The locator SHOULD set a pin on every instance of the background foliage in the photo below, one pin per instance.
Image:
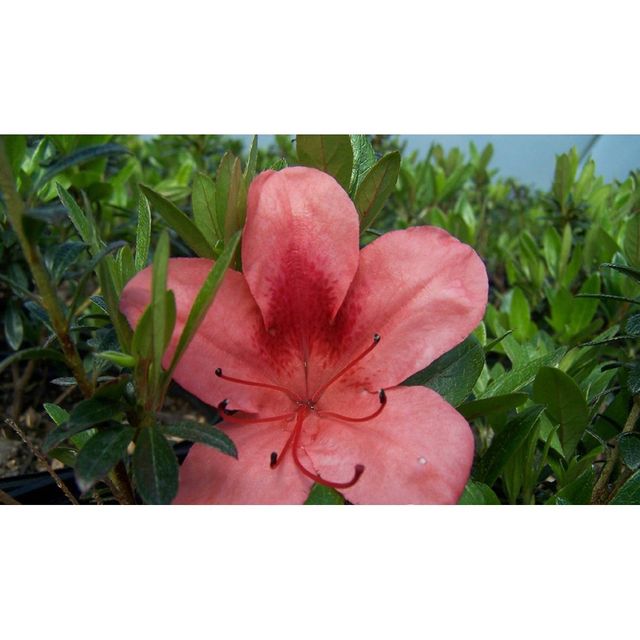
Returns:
(549, 381)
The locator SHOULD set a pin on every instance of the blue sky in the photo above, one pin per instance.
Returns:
(531, 158)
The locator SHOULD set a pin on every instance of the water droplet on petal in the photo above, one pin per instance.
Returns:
(422, 460)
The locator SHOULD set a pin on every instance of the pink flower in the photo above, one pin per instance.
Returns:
(304, 351)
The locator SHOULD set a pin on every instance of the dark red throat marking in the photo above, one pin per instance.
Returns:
(304, 408)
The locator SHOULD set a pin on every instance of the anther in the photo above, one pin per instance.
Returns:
(218, 372)
(274, 460)
(376, 337)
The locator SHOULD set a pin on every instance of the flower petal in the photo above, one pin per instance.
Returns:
(209, 477)
(231, 336)
(419, 450)
(422, 291)
(299, 254)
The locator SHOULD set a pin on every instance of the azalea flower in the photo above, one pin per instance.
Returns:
(303, 353)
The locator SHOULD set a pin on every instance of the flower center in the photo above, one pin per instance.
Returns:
(304, 407)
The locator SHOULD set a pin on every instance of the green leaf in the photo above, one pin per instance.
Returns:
(178, 221)
(478, 493)
(320, 494)
(453, 374)
(15, 147)
(629, 444)
(56, 413)
(82, 156)
(578, 491)
(629, 493)
(329, 153)
(204, 300)
(376, 187)
(252, 162)
(364, 158)
(205, 433)
(566, 405)
(506, 443)
(143, 233)
(487, 406)
(633, 325)
(13, 325)
(203, 203)
(155, 467)
(64, 257)
(101, 453)
(632, 241)
(159, 305)
(633, 379)
(565, 173)
(520, 315)
(236, 201)
(32, 353)
(86, 414)
(118, 358)
(77, 216)
(523, 375)
(627, 271)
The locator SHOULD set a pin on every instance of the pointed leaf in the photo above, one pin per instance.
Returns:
(376, 187)
(565, 404)
(77, 216)
(478, 493)
(453, 374)
(155, 467)
(329, 153)
(632, 241)
(178, 221)
(320, 494)
(364, 158)
(101, 453)
(204, 300)
(203, 203)
(13, 325)
(506, 443)
(205, 433)
(143, 233)
(487, 406)
(629, 492)
(81, 156)
(629, 444)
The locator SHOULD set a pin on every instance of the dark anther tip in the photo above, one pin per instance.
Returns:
(383, 396)
(274, 459)
(223, 405)
(376, 337)
(218, 372)
(359, 469)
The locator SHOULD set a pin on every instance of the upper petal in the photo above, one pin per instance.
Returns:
(299, 254)
(422, 291)
(419, 450)
(231, 336)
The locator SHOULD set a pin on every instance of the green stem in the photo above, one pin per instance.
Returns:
(601, 492)
(15, 212)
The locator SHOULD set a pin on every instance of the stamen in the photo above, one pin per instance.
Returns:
(229, 417)
(264, 385)
(323, 388)
(293, 442)
(383, 401)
